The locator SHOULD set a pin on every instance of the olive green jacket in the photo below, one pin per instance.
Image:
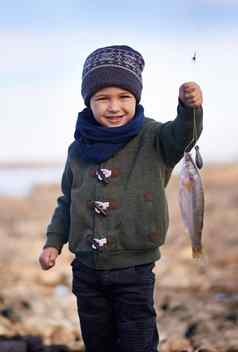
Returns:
(130, 224)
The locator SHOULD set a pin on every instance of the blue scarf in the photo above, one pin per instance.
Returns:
(98, 143)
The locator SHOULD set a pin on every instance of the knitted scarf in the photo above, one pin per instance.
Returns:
(98, 143)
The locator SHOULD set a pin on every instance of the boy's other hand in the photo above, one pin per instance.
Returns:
(191, 94)
(47, 258)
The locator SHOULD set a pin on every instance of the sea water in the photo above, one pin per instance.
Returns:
(19, 181)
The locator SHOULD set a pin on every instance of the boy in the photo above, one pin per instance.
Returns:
(113, 211)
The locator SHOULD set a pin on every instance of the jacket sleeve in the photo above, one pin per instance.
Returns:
(58, 229)
(175, 136)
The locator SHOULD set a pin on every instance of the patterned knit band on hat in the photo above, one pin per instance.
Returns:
(116, 65)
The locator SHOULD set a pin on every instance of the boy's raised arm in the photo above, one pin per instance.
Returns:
(175, 136)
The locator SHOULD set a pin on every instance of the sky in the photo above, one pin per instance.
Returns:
(43, 46)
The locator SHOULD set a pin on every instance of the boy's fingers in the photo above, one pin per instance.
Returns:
(52, 258)
(189, 95)
(45, 262)
(51, 262)
(44, 265)
(196, 96)
(193, 103)
(47, 259)
(189, 89)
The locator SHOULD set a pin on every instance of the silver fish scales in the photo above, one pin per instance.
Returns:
(191, 202)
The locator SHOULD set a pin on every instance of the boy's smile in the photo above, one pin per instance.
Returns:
(113, 106)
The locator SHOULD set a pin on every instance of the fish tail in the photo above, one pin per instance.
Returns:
(197, 252)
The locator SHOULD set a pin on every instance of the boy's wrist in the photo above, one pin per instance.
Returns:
(52, 244)
(51, 247)
(186, 106)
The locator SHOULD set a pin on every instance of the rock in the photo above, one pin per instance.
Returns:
(6, 328)
(8, 312)
(185, 292)
(52, 278)
(179, 345)
(25, 304)
(58, 334)
(191, 330)
(61, 291)
(205, 349)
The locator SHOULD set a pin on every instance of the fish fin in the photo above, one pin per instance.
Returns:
(197, 252)
(188, 184)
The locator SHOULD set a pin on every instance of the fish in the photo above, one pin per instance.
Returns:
(191, 203)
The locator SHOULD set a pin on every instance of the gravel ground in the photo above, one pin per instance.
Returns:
(196, 301)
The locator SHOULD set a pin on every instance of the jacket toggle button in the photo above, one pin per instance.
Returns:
(103, 175)
(98, 243)
(101, 207)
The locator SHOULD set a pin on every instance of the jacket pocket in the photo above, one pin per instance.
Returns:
(139, 220)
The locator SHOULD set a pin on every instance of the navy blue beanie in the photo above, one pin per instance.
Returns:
(116, 65)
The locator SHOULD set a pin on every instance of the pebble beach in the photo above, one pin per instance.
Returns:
(196, 301)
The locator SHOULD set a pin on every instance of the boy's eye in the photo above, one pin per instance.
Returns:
(106, 98)
(101, 98)
(125, 96)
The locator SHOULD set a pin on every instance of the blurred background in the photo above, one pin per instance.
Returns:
(43, 47)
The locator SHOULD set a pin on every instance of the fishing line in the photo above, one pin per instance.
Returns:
(198, 157)
(194, 132)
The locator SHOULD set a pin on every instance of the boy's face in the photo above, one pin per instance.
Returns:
(113, 106)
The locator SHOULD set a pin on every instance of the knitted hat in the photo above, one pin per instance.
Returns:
(116, 65)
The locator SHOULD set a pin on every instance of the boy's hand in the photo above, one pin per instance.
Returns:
(48, 257)
(191, 94)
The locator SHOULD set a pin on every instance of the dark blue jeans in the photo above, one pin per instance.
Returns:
(116, 308)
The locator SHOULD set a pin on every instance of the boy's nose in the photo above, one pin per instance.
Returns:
(113, 106)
